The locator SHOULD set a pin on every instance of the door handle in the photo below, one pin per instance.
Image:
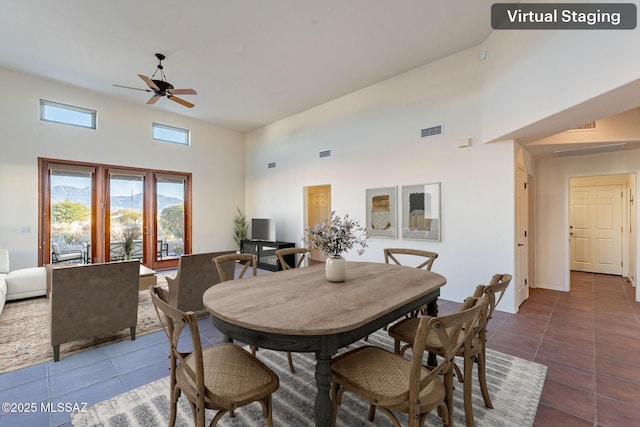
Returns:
(520, 244)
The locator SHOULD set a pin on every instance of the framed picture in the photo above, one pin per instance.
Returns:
(381, 212)
(421, 211)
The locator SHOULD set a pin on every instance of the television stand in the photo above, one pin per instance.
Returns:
(265, 253)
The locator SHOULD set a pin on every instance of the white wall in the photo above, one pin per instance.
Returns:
(374, 135)
(532, 75)
(123, 137)
(552, 204)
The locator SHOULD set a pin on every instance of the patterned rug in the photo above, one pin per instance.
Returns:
(25, 332)
(514, 384)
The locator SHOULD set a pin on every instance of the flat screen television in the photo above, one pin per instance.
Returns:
(263, 229)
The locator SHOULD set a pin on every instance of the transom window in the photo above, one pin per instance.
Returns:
(67, 114)
(173, 134)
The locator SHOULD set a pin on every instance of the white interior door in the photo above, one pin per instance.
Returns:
(596, 228)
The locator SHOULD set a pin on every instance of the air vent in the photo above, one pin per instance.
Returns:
(589, 150)
(586, 126)
(271, 165)
(325, 153)
(431, 131)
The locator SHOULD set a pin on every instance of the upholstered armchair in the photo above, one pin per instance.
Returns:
(92, 300)
(196, 274)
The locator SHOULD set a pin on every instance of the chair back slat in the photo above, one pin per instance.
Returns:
(174, 323)
(427, 263)
(249, 261)
(453, 331)
(282, 253)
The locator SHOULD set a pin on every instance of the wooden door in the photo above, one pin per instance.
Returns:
(318, 208)
(595, 229)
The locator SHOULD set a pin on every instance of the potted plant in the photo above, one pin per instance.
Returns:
(240, 227)
(333, 237)
(129, 234)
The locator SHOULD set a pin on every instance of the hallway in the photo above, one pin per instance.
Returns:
(590, 341)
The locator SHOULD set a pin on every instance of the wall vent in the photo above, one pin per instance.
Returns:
(271, 165)
(431, 131)
(590, 150)
(325, 153)
(586, 126)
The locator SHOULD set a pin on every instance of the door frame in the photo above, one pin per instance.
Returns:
(631, 175)
(522, 234)
(314, 254)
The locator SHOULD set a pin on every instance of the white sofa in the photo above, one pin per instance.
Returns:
(22, 283)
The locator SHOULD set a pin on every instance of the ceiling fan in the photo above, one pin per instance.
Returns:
(161, 87)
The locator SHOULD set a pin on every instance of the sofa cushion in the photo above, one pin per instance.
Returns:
(3, 293)
(26, 283)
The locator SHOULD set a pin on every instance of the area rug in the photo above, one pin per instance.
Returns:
(515, 386)
(25, 332)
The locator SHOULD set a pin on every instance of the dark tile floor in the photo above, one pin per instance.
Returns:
(588, 338)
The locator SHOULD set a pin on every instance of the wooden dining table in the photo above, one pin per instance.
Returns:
(298, 310)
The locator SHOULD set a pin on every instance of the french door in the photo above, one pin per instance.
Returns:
(112, 213)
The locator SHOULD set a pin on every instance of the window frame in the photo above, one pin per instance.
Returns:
(101, 209)
(185, 132)
(93, 114)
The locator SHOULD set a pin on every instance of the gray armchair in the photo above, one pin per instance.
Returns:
(196, 274)
(92, 300)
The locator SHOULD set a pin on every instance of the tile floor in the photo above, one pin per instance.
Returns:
(588, 338)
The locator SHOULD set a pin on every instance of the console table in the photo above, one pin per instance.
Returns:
(265, 253)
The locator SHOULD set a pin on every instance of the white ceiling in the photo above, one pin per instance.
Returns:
(252, 62)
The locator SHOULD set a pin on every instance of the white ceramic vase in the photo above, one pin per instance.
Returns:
(336, 269)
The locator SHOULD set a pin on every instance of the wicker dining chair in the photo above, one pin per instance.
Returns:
(417, 258)
(223, 377)
(405, 331)
(282, 253)
(249, 261)
(396, 384)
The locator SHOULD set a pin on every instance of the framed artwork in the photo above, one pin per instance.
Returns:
(421, 211)
(381, 212)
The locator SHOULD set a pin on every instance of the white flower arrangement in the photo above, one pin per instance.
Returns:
(335, 236)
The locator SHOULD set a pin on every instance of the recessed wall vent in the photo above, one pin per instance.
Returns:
(589, 150)
(271, 165)
(586, 126)
(325, 153)
(431, 131)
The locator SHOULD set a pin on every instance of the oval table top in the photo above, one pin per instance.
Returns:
(302, 302)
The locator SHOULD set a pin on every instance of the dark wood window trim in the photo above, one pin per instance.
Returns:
(100, 209)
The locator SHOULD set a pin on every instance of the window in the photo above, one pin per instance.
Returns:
(67, 114)
(112, 213)
(170, 134)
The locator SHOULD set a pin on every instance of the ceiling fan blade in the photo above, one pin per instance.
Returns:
(134, 88)
(149, 82)
(180, 101)
(182, 91)
(153, 99)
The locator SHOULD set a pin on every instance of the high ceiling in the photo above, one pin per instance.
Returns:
(252, 62)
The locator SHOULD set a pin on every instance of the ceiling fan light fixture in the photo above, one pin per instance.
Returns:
(161, 87)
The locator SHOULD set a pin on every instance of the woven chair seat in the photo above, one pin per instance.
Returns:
(383, 377)
(232, 376)
(393, 383)
(223, 377)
